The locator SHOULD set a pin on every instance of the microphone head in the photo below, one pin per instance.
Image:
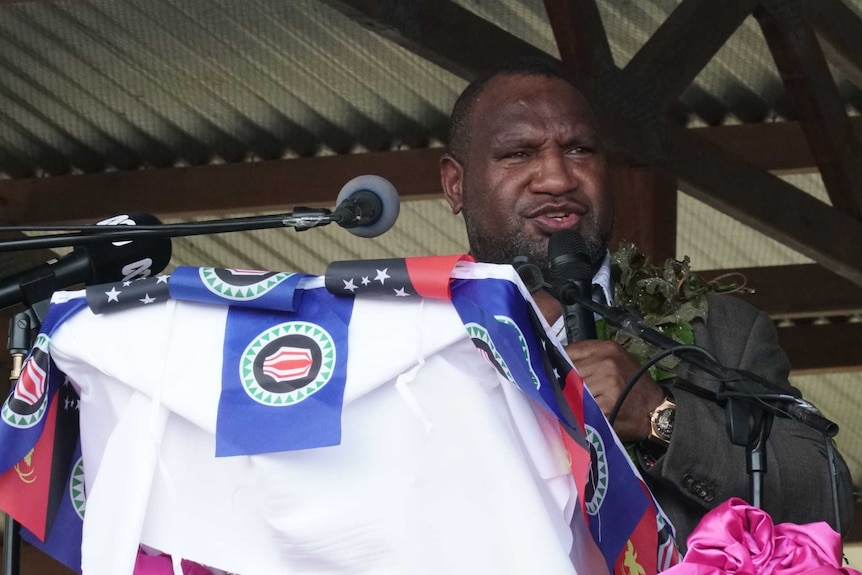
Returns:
(384, 209)
(568, 258)
(127, 259)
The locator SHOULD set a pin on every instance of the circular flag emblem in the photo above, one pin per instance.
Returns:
(77, 489)
(28, 402)
(483, 342)
(241, 285)
(287, 363)
(597, 482)
(525, 349)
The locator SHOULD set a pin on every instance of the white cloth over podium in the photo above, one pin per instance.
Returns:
(444, 468)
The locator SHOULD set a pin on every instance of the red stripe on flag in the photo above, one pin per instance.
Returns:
(640, 554)
(430, 276)
(579, 461)
(573, 391)
(25, 488)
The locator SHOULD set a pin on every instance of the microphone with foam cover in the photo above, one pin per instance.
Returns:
(97, 263)
(571, 274)
(367, 206)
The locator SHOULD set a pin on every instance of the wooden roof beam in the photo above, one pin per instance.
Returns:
(441, 31)
(646, 200)
(820, 109)
(764, 202)
(705, 170)
(685, 42)
(816, 349)
(579, 34)
(794, 291)
(839, 29)
(218, 189)
(280, 184)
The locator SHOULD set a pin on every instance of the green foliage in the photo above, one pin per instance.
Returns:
(669, 297)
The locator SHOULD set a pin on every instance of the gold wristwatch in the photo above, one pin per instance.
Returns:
(661, 422)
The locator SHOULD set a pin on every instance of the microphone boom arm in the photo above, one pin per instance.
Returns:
(300, 219)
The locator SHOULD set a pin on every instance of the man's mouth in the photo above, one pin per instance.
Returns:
(556, 220)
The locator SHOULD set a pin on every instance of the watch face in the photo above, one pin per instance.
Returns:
(664, 422)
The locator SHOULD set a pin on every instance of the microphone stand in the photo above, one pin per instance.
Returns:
(300, 219)
(750, 401)
(18, 344)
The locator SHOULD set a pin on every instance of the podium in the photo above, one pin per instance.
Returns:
(377, 432)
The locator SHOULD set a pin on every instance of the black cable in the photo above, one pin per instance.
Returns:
(833, 477)
(645, 367)
(830, 449)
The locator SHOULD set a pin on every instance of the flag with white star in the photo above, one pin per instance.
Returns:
(394, 277)
(256, 289)
(283, 376)
(108, 298)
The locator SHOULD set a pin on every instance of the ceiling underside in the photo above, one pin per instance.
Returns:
(196, 109)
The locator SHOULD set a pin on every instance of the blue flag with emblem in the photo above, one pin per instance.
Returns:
(615, 499)
(235, 287)
(497, 320)
(42, 410)
(284, 372)
(23, 412)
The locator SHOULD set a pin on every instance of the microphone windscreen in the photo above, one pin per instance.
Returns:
(113, 261)
(388, 195)
(568, 257)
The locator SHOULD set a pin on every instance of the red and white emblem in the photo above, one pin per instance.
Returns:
(31, 385)
(288, 364)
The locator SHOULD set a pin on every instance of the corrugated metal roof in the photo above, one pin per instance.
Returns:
(88, 86)
(91, 85)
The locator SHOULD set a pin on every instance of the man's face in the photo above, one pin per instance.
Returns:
(533, 166)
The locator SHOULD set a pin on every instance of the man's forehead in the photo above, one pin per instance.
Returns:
(506, 97)
(516, 86)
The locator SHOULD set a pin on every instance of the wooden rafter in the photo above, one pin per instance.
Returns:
(779, 147)
(579, 34)
(815, 349)
(688, 39)
(765, 202)
(817, 103)
(646, 200)
(218, 189)
(801, 291)
(737, 188)
(280, 184)
(442, 32)
(840, 31)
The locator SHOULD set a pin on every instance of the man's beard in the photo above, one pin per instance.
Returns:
(504, 247)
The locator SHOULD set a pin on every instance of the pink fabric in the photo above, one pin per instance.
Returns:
(147, 564)
(738, 539)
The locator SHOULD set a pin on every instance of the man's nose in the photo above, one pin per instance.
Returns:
(554, 174)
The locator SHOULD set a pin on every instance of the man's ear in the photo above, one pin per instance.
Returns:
(451, 178)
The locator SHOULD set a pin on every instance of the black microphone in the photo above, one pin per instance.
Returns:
(570, 268)
(367, 206)
(94, 264)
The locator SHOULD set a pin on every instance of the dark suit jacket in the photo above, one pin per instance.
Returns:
(702, 468)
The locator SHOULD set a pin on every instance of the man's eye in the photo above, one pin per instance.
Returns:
(581, 150)
(517, 154)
